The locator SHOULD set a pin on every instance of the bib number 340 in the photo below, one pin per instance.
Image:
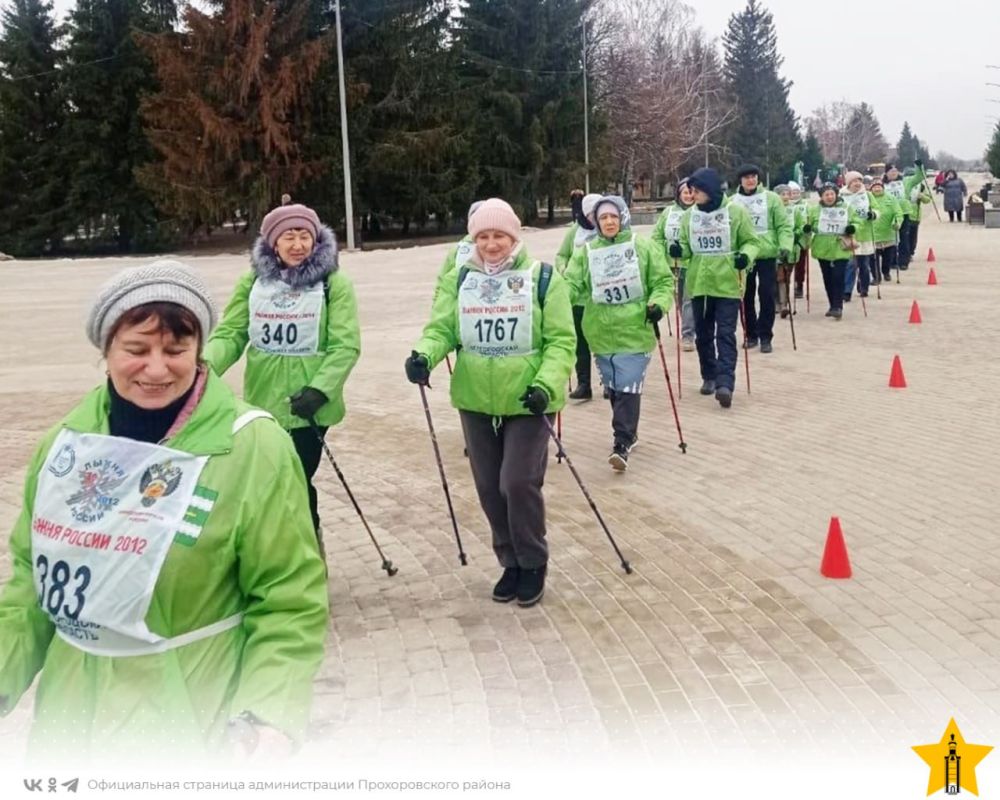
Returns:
(54, 589)
(280, 333)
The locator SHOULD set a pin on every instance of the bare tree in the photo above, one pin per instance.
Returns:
(848, 133)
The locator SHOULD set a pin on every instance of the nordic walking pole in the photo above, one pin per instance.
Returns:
(808, 270)
(440, 463)
(663, 360)
(743, 324)
(788, 303)
(386, 563)
(878, 267)
(593, 506)
(559, 455)
(854, 255)
(896, 254)
(447, 360)
(933, 201)
(677, 320)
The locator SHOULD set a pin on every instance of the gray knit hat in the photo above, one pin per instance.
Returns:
(163, 281)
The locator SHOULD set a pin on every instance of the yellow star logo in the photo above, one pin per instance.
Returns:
(952, 762)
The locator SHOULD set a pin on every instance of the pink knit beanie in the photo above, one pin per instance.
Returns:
(495, 215)
(852, 176)
(286, 218)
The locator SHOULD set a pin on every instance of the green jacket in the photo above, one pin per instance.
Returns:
(828, 246)
(465, 246)
(773, 233)
(890, 217)
(712, 275)
(493, 385)
(270, 379)
(865, 229)
(256, 553)
(566, 248)
(796, 213)
(908, 182)
(667, 230)
(918, 197)
(622, 328)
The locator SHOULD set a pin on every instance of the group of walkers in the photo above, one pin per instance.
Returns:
(169, 581)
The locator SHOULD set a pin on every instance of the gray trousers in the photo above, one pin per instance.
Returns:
(508, 467)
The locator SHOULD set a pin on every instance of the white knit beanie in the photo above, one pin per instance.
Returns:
(495, 215)
(163, 281)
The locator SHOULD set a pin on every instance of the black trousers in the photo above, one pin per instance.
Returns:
(905, 248)
(887, 260)
(834, 273)
(915, 229)
(951, 215)
(715, 336)
(583, 362)
(310, 450)
(762, 285)
(625, 408)
(508, 467)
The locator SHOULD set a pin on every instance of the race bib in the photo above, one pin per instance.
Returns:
(859, 202)
(106, 512)
(614, 274)
(286, 321)
(710, 232)
(833, 220)
(672, 228)
(756, 206)
(495, 311)
(895, 189)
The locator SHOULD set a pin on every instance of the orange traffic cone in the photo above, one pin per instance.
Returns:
(836, 563)
(896, 379)
(932, 278)
(915, 314)
(930, 256)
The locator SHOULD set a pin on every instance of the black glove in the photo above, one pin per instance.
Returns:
(849, 230)
(307, 401)
(675, 250)
(416, 369)
(807, 228)
(918, 163)
(783, 256)
(741, 261)
(872, 215)
(654, 313)
(535, 400)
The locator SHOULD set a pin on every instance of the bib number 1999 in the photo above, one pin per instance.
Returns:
(709, 243)
(53, 587)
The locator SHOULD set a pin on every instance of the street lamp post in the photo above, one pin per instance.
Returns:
(586, 115)
(348, 203)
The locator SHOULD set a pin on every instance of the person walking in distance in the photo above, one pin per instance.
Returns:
(667, 230)
(832, 224)
(582, 231)
(797, 199)
(774, 232)
(510, 319)
(623, 282)
(796, 215)
(885, 230)
(295, 316)
(862, 264)
(954, 195)
(718, 241)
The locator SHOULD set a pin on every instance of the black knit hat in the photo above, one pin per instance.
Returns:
(747, 169)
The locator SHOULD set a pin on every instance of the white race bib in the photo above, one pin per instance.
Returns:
(672, 228)
(833, 219)
(614, 274)
(710, 233)
(463, 252)
(495, 311)
(285, 321)
(895, 189)
(106, 512)
(858, 201)
(756, 206)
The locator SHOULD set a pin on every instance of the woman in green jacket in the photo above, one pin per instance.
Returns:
(832, 225)
(861, 267)
(667, 230)
(885, 228)
(166, 581)
(624, 285)
(296, 311)
(510, 320)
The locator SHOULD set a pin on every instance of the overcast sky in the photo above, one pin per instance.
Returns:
(889, 53)
(892, 55)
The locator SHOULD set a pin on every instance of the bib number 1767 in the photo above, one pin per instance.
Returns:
(496, 330)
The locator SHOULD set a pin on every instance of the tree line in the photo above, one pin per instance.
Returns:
(132, 125)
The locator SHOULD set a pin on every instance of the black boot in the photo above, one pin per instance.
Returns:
(581, 392)
(506, 588)
(531, 586)
(707, 387)
(724, 396)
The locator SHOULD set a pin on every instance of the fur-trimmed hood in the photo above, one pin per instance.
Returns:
(322, 261)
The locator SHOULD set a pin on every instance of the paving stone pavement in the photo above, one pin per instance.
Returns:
(726, 637)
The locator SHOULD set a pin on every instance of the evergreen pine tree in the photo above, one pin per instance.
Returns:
(106, 75)
(765, 129)
(230, 117)
(32, 115)
(906, 148)
(993, 152)
(811, 158)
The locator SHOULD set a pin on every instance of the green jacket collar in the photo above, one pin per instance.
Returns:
(209, 431)
(623, 235)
